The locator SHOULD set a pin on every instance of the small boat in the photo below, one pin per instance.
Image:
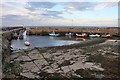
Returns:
(96, 35)
(15, 36)
(53, 34)
(81, 36)
(106, 36)
(27, 43)
(69, 34)
(20, 36)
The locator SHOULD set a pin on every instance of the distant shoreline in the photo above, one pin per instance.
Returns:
(65, 26)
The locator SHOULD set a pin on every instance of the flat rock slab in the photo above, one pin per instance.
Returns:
(62, 61)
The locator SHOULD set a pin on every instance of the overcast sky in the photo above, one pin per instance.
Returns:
(56, 13)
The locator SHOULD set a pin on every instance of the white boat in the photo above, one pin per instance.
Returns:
(27, 43)
(106, 36)
(96, 35)
(53, 34)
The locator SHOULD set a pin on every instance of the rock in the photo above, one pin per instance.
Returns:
(96, 68)
(23, 58)
(16, 68)
(29, 75)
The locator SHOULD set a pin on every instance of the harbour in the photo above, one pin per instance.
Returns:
(66, 40)
(56, 36)
(68, 51)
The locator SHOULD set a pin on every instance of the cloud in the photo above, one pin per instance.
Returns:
(32, 6)
(46, 12)
(105, 5)
(91, 6)
(81, 6)
(54, 14)
(14, 20)
(110, 4)
(43, 9)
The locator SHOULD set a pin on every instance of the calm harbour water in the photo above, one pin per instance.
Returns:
(40, 41)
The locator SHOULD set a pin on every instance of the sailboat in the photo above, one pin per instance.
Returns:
(27, 43)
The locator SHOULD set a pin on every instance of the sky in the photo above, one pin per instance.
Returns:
(59, 13)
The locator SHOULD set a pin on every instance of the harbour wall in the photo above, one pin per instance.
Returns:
(6, 37)
(47, 30)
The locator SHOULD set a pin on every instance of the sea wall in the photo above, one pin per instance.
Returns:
(6, 37)
(47, 30)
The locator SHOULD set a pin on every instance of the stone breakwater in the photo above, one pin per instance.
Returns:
(96, 58)
(63, 30)
(5, 38)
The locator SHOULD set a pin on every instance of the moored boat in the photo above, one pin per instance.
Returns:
(20, 36)
(53, 34)
(81, 36)
(27, 43)
(96, 35)
(106, 36)
(69, 34)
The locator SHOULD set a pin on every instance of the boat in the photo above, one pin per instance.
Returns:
(69, 34)
(53, 34)
(96, 35)
(27, 43)
(20, 36)
(15, 36)
(106, 36)
(81, 36)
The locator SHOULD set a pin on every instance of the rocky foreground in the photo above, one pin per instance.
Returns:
(74, 61)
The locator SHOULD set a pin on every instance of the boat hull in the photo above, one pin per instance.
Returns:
(81, 35)
(106, 36)
(94, 35)
(54, 35)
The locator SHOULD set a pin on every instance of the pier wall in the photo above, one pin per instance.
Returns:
(39, 30)
(5, 52)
